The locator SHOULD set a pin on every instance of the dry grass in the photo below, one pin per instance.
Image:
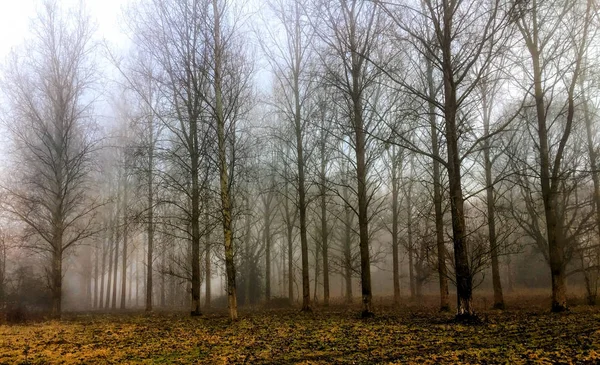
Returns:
(414, 333)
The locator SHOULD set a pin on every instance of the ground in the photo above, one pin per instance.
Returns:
(411, 334)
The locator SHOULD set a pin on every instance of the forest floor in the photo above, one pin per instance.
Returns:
(413, 334)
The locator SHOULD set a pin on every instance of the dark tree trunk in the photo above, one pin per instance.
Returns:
(124, 255)
(489, 182)
(267, 234)
(395, 236)
(115, 266)
(96, 274)
(110, 270)
(324, 239)
(464, 280)
(347, 246)
(57, 278)
(100, 298)
(437, 195)
(207, 267)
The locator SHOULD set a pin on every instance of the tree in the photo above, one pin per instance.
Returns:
(351, 32)
(555, 35)
(291, 63)
(48, 85)
(460, 39)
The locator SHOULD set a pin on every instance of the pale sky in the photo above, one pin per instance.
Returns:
(16, 15)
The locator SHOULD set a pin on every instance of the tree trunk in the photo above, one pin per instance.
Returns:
(464, 280)
(549, 195)
(267, 233)
(207, 267)
(317, 273)
(115, 265)
(223, 171)
(489, 183)
(361, 178)
(290, 240)
(150, 223)
(592, 155)
(347, 245)
(96, 273)
(57, 278)
(324, 238)
(411, 249)
(100, 299)
(194, 149)
(437, 195)
(124, 256)
(110, 270)
(395, 241)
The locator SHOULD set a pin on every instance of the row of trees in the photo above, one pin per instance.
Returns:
(454, 131)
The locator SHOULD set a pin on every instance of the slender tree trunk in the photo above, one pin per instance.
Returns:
(96, 274)
(549, 195)
(207, 267)
(115, 265)
(89, 272)
(317, 273)
(100, 299)
(290, 240)
(163, 284)
(464, 280)
(592, 155)
(267, 236)
(361, 174)
(194, 148)
(110, 269)
(347, 244)
(223, 170)
(437, 196)
(124, 256)
(489, 183)
(411, 248)
(137, 283)
(57, 278)
(290, 262)
(130, 286)
(324, 237)
(395, 239)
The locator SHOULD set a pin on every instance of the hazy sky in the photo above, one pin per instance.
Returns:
(16, 15)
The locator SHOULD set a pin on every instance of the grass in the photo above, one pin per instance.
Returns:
(525, 333)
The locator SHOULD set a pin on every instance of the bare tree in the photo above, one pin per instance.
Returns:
(351, 32)
(48, 87)
(555, 34)
(291, 63)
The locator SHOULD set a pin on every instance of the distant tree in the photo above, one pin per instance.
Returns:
(352, 35)
(555, 35)
(290, 60)
(48, 86)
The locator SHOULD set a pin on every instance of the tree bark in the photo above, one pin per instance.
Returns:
(207, 265)
(267, 236)
(324, 236)
(437, 195)
(592, 155)
(110, 269)
(223, 170)
(57, 278)
(464, 280)
(490, 199)
(347, 246)
(150, 223)
(116, 263)
(395, 165)
(124, 255)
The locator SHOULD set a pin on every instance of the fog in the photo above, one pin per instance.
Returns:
(198, 156)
